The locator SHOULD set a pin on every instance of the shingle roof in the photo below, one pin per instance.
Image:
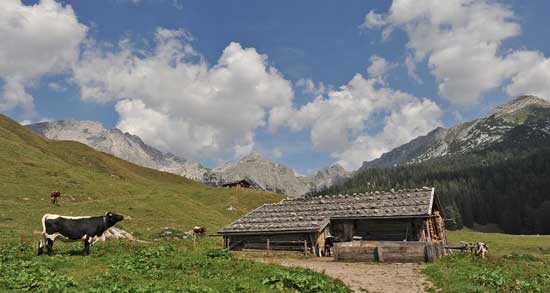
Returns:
(313, 213)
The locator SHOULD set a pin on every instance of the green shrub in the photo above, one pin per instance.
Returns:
(511, 273)
(218, 253)
(302, 281)
(24, 274)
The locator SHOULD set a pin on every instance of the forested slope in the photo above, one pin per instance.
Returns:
(504, 185)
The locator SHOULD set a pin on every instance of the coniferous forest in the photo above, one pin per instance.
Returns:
(511, 189)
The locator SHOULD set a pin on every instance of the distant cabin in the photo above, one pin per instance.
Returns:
(403, 225)
(238, 184)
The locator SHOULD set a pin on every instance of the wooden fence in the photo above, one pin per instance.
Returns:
(272, 245)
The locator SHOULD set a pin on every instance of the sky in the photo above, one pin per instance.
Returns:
(305, 83)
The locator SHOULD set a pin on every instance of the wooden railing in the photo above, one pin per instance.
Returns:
(273, 245)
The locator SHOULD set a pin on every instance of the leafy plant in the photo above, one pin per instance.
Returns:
(218, 253)
(302, 281)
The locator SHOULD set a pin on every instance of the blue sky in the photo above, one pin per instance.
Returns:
(339, 75)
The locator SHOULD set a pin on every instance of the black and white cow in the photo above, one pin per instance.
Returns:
(87, 229)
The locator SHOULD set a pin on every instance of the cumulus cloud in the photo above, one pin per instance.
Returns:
(411, 69)
(379, 67)
(308, 86)
(36, 40)
(533, 81)
(403, 124)
(461, 42)
(276, 153)
(340, 123)
(175, 101)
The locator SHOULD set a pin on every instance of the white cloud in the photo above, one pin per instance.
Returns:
(29, 121)
(533, 81)
(309, 87)
(36, 40)
(171, 98)
(340, 123)
(461, 41)
(411, 69)
(402, 125)
(379, 67)
(57, 86)
(276, 153)
(372, 20)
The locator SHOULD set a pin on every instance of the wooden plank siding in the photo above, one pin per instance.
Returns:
(388, 251)
(378, 229)
(288, 242)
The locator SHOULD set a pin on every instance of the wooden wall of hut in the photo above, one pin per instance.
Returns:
(389, 251)
(378, 229)
(288, 242)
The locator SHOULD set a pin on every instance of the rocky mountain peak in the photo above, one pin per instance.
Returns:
(120, 144)
(519, 103)
(333, 169)
(328, 176)
(253, 156)
(526, 116)
(63, 129)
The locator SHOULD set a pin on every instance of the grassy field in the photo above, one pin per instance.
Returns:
(120, 266)
(515, 264)
(93, 183)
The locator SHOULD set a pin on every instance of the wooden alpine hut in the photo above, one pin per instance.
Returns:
(238, 184)
(406, 224)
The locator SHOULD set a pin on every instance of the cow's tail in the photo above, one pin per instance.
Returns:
(42, 241)
(44, 222)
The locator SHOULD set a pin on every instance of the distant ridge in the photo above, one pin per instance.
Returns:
(269, 176)
(264, 174)
(120, 144)
(527, 116)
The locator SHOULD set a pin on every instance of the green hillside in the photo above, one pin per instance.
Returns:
(93, 182)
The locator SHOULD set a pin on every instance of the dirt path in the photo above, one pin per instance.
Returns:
(361, 276)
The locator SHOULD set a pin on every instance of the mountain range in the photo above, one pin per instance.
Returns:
(523, 121)
(274, 177)
(262, 173)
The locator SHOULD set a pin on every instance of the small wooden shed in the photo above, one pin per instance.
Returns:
(403, 216)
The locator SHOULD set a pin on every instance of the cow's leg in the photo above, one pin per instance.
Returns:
(49, 246)
(87, 242)
(41, 246)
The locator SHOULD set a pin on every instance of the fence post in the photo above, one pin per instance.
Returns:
(379, 253)
(305, 247)
(267, 246)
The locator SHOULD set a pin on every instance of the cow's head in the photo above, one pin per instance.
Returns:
(112, 218)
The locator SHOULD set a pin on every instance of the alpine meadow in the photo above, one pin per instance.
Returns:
(274, 146)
